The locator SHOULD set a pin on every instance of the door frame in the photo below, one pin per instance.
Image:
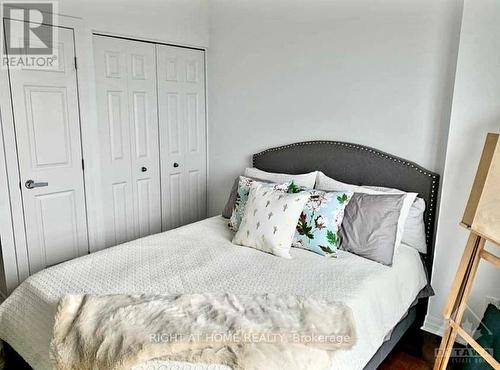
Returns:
(12, 233)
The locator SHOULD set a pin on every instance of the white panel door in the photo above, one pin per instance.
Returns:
(47, 126)
(181, 107)
(128, 119)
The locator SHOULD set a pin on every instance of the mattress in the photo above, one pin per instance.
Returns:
(200, 257)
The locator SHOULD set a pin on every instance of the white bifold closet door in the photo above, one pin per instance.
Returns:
(128, 119)
(181, 107)
(151, 111)
(47, 126)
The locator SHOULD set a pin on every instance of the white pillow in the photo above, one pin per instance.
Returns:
(270, 220)
(414, 232)
(241, 198)
(326, 183)
(306, 180)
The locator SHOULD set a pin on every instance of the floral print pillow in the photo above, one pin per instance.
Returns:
(319, 222)
(244, 185)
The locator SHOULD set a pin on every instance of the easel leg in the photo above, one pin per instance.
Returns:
(461, 275)
(457, 301)
(445, 348)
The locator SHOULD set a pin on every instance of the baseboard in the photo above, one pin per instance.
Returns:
(433, 325)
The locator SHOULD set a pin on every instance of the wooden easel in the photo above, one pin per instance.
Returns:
(482, 219)
(457, 301)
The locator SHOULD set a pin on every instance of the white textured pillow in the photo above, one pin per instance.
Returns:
(306, 180)
(270, 220)
(244, 185)
(414, 232)
(326, 183)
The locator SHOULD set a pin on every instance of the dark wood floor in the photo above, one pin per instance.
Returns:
(412, 353)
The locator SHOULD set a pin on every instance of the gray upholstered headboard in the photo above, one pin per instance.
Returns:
(360, 165)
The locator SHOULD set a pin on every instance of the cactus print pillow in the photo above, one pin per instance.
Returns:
(244, 185)
(319, 222)
(270, 219)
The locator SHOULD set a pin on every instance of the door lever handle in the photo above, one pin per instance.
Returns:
(30, 184)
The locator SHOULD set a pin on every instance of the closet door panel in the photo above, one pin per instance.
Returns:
(172, 144)
(145, 160)
(127, 113)
(181, 92)
(112, 110)
(195, 155)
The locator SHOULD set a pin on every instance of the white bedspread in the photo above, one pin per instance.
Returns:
(200, 258)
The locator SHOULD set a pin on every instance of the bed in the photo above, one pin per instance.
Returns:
(200, 257)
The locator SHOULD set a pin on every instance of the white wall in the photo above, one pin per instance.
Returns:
(176, 21)
(475, 111)
(378, 73)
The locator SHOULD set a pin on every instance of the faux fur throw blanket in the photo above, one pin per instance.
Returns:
(259, 332)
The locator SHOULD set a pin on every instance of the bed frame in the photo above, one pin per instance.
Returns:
(362, 165)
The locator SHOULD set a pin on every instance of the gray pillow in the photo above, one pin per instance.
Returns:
(370, 226)
(414, 231)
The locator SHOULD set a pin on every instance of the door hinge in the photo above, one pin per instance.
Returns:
(76, 64)
(83, 165)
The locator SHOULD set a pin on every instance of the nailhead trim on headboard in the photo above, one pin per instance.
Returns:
(435, 177)
(429, 191)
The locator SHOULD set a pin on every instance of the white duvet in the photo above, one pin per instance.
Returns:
(200, 258)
